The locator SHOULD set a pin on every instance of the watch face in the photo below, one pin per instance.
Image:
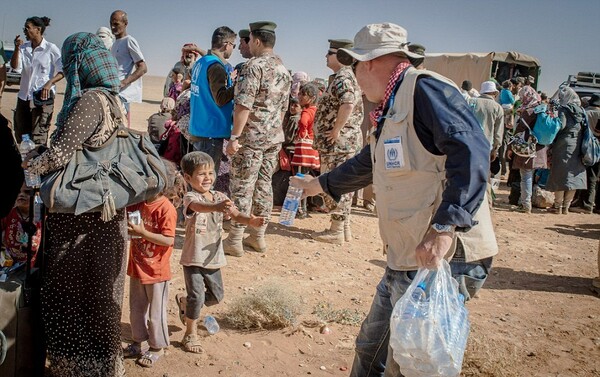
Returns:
(442, 228)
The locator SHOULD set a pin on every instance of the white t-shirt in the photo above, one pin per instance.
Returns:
(127, 52)
(36, 69)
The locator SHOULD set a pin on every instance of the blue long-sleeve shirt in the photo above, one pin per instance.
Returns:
(506, 97)
(445, 125)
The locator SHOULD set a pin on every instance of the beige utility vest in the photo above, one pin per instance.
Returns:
(409, 180)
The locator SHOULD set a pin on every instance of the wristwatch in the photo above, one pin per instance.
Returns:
(234, 137)
(439, 228)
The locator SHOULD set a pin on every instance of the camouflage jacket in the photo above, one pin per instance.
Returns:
(342, 89)
(263, 86)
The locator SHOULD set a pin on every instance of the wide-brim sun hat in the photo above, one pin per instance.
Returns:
(375, 40)
(488, 87)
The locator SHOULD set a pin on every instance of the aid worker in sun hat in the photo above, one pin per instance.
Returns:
(428, 161)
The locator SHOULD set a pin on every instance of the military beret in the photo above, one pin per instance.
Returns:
(416, 48)
(244, 33)
(340, 43)
(263, 26)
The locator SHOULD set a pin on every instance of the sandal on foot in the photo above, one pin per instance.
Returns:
(133, 350)
(148, 359)
(192, 344)
(180, 299)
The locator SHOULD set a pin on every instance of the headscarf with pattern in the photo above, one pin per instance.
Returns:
(570, 102)
(530, 99)
(298, 79)
(376, 114)
(567, 96)
(87, 65)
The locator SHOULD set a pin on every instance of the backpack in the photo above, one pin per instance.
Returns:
(546, 127)
(590, 146)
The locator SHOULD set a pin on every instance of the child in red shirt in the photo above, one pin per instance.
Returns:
(14, 238)
(305, 157)
(149, 269)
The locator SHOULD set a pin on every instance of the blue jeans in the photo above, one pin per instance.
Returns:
(212, 147)
(373, 355)
(526, 187)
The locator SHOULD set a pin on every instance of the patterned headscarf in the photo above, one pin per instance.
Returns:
(376, 114)
(87, 65)
(567, 96)
(570, 102)
(183, 55)
(298, 79)
(530, 99)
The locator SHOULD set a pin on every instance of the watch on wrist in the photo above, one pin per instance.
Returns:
(439, 228)
(234, 137)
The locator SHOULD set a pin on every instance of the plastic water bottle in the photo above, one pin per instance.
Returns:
(415, 316)
(211, 325)
(418, 296)
(37, 208)
(26, 146)
(291, 204)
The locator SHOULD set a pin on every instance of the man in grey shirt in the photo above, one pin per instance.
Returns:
(130, 61)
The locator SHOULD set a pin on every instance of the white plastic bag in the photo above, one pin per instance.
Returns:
(430, 325)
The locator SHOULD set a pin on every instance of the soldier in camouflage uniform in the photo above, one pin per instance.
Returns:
(338, 136)
(261, 99)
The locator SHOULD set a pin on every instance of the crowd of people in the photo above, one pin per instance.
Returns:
(221, 129)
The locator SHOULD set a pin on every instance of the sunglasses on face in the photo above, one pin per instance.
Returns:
(353, 66)
(230, 43)
(331, 52)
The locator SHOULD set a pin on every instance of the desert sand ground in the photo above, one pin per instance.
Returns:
(536, 315)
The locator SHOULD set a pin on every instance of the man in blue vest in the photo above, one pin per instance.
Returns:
(211, 101)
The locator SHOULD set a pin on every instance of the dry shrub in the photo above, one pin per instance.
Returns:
(271, 306)
(326, 313)
(486, 357)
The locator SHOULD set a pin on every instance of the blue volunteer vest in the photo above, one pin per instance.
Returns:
(207, 119)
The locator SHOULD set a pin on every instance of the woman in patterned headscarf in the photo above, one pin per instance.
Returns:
(83, 283)
(567, 172)
(527, 165)
(298, 79)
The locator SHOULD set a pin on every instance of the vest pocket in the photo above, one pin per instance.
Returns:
(404, 231)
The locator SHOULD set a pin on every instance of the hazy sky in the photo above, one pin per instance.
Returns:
(563, 35)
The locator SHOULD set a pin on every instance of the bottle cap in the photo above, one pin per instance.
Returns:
(422, 285)
(300, 175)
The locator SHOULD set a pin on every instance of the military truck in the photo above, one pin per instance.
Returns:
(584, 83)
(478, 67)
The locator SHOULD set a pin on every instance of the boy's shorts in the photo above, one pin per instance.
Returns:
(204, 286)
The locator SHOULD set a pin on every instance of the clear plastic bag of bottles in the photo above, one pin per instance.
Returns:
(430, 325)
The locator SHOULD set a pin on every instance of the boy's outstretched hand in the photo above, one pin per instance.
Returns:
(225, 206)
(256, 221)
(241, 218)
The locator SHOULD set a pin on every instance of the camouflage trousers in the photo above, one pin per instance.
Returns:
(338, 211)
(250, 180)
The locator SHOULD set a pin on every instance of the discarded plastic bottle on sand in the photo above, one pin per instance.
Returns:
(211, 324)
